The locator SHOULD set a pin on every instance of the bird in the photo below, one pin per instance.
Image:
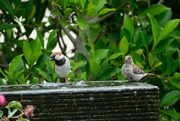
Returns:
(132, 72)
(62, 65)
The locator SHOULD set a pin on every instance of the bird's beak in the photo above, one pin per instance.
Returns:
(52, 57)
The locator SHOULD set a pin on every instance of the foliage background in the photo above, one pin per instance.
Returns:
(105, 31)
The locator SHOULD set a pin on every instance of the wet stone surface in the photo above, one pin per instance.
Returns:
(100, 100)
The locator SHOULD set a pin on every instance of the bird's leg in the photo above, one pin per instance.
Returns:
(62, 80)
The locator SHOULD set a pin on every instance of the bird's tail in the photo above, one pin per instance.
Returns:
(149, 76)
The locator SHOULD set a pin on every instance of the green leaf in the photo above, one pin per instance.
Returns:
(151, 60)
(175, 34)
(164, 17)
(1, 71)
(171, 113)
(15, 105)
(27, 51)
(155, 29)
(11, 113)
(100, 54)
(15, 63)
(81, 22)
(179, 58)
(170, 98)
(109, 73)
(100, 5)
(106, 10)
(92, 32)
(114, 56)
(172, 48)
(145, 40)
(94, 67)
(6, 5)
(2, 82)
(1, 113)
(51, 44)
(157, 64)
(65, 3)
(82, 76)
(169, 27)
(155, 9)
(91, 10)
(124, 45)
(45, 75)
(83, 2)
(35, 51)
(128, 24)
(76, 65)
(41, 38)
(171, 66)
(175, 80)
(7, 26)
(161, 46)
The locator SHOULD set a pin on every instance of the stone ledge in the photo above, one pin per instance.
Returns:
(101, 100)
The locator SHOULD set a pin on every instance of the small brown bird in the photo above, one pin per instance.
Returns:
(132, 72)
(62, 65)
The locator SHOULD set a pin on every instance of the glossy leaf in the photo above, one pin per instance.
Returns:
(83, 2)
(51, 44)
(145, 40)
(161, 46)
(155, 29)
(11, 113)
(164, 17)
(45, 75)
(6, 5)
(15, 63)
(8, 26)
(109, 73)
(100, 54)
(82, 23)
(1, 113)
(155, 9)
(91, 10)
(179, 58)
(174, 83)
(171, 113)
(114, 56)
(65, 3)
(175, 34)
(170, 26)
(94, 67)
(151, 60)
(128, 24)
(100, 4)
(15, 105)
(106, 10)
(172, 48)
(27, 51)
(124, 45)
(170, 98)
(35, 50)
(171, 65)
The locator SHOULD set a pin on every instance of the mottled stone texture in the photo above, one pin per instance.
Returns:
(107, 100)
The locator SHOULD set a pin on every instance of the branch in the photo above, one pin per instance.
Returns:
(66, 31)
(111, 13)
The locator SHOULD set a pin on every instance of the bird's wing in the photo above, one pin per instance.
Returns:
(137, 70)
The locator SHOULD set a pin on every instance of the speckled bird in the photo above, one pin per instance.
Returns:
(132, 72)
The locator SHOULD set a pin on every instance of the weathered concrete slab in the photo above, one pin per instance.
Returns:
(107, 100)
